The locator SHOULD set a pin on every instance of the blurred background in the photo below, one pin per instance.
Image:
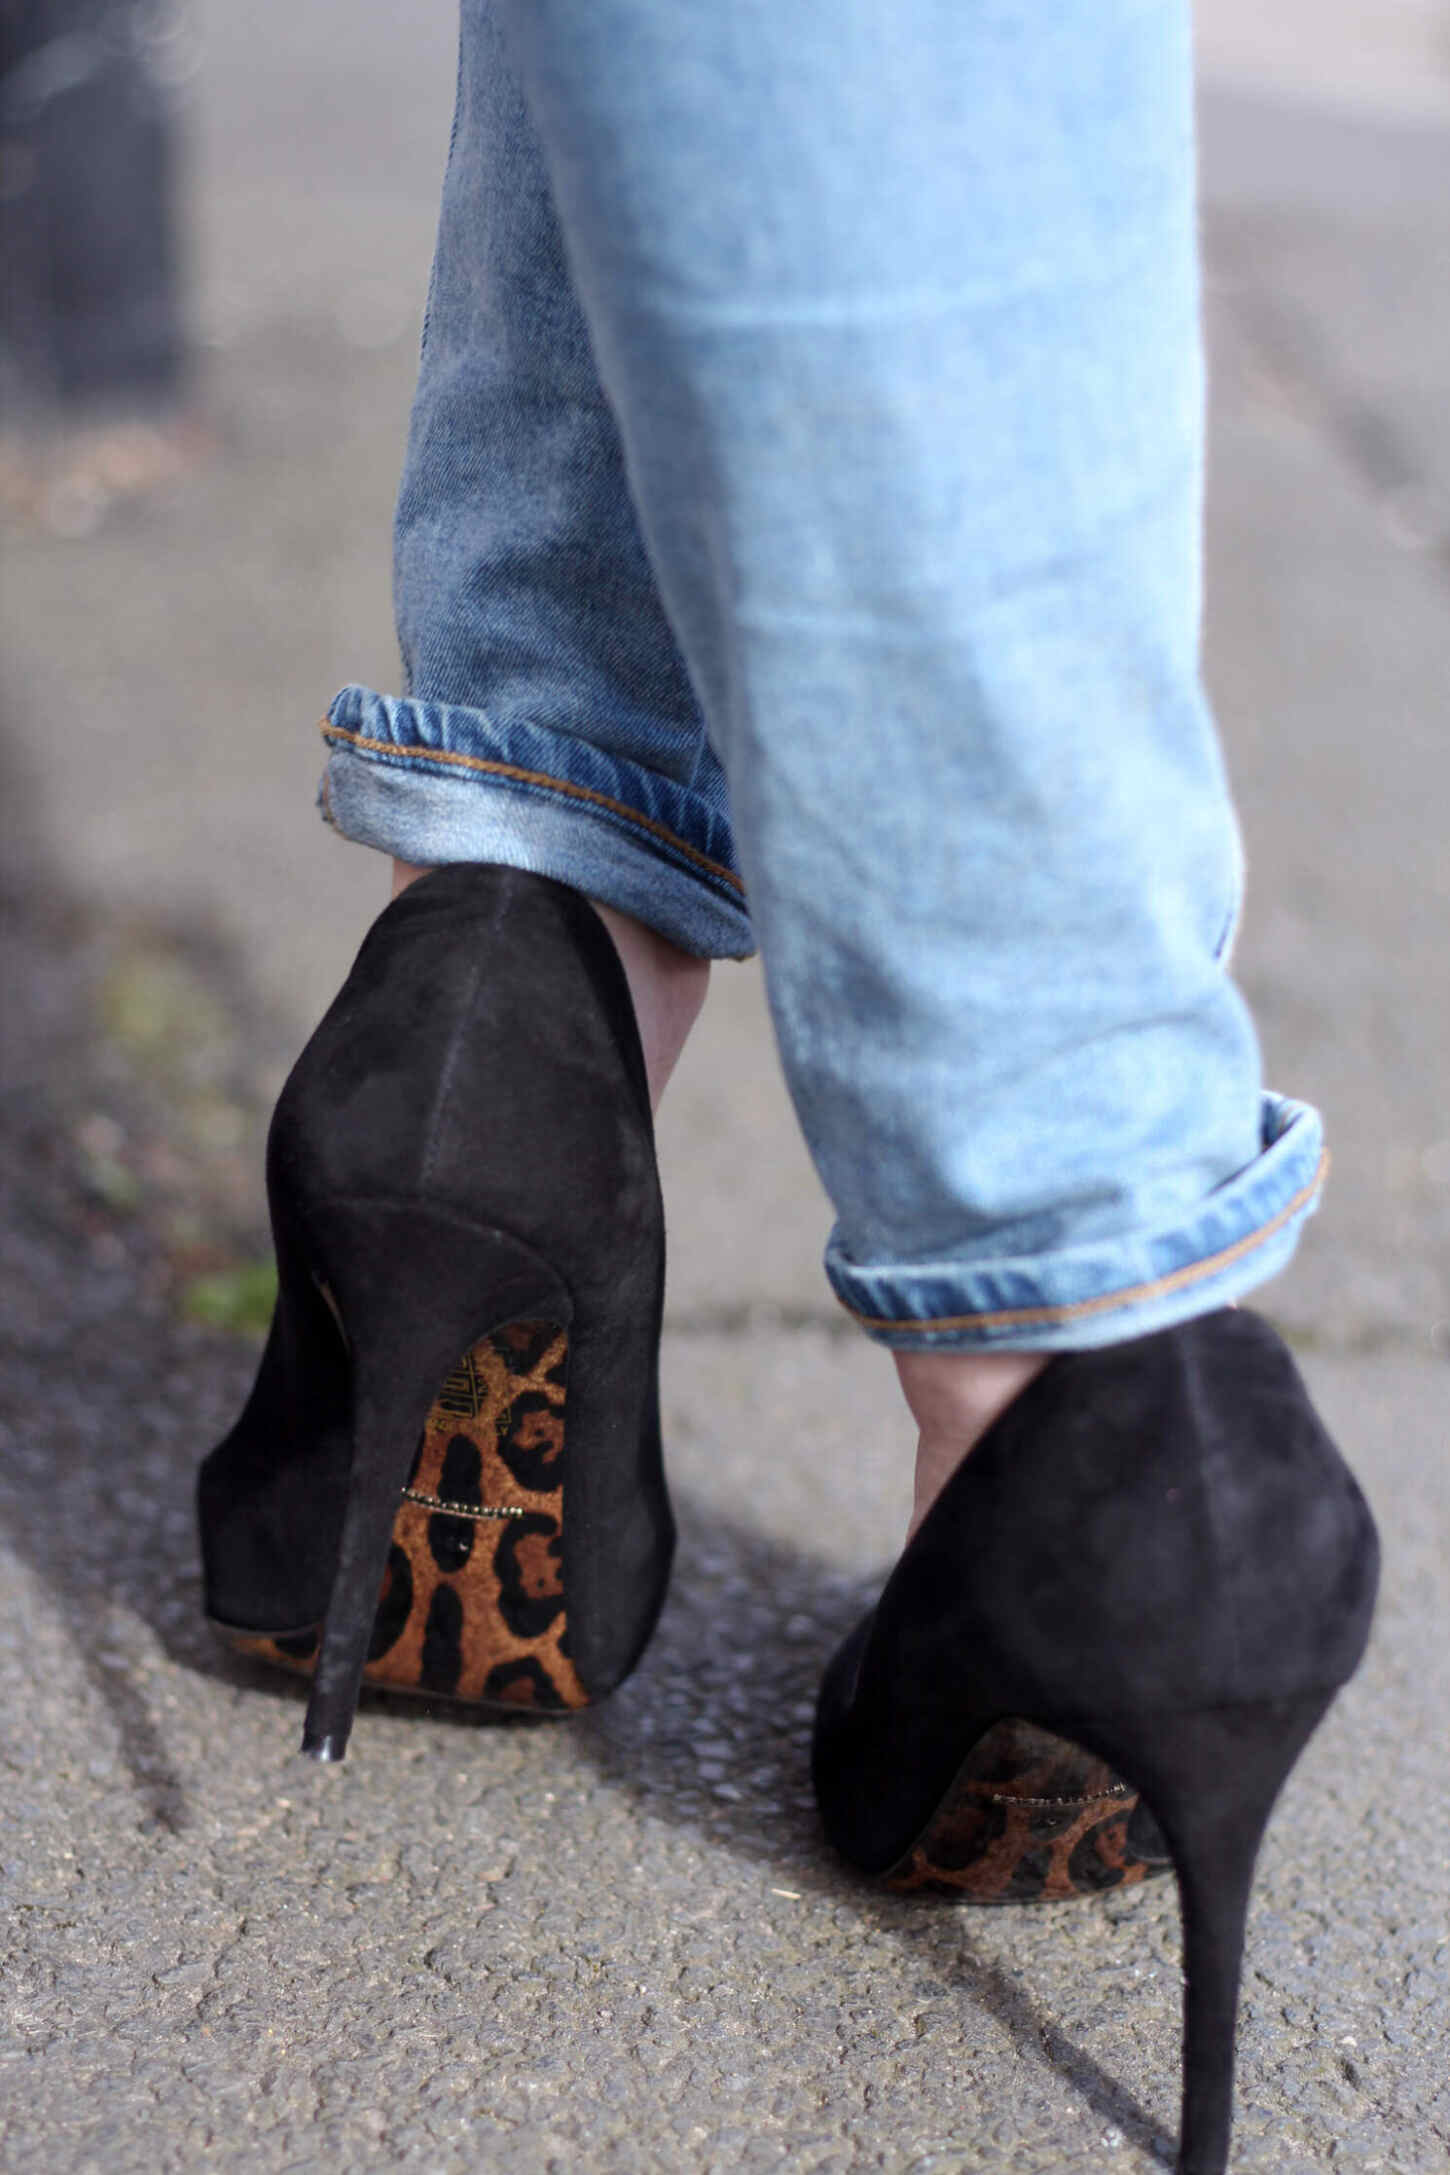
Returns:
(208, 358)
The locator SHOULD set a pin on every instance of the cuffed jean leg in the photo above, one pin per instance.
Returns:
(897, 312)
(549, 721)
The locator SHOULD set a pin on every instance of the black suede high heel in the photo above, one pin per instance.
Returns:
(1155, 1554)
(448, 1477)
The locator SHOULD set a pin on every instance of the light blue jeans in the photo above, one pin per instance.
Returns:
(799, 546)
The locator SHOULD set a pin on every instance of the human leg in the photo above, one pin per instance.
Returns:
(927, 354)
(467, 1134)
(920, 495)
(939, 594)
(549, 722)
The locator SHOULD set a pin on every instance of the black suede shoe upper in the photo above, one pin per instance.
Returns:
(482, 1059)
(1159, 1526)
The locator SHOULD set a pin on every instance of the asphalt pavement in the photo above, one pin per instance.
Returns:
(620, 1945)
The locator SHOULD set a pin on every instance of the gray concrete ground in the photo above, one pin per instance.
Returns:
(619, 1945)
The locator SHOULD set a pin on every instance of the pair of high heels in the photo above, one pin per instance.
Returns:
(1102, 1651)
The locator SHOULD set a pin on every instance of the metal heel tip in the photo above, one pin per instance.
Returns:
(329, 1745)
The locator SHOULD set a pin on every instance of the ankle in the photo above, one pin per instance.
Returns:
(667, 985)
(954, 1397)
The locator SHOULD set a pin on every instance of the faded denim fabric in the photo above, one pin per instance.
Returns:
(802, 505)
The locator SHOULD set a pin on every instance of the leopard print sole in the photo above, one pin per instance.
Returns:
(472, 1604)
(1032, 1818)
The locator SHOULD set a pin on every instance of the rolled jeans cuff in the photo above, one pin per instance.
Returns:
(1116, 1289)
(434, 782)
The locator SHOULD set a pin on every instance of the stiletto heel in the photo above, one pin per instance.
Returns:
(470, 1256)
(1156, 1563)
(1212, 1778)
(405, 1340)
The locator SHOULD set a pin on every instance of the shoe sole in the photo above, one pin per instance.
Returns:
(472, 1603)
(1032, 1818)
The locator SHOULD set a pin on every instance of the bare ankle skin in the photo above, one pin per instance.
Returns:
(668, 986)
(954, 1398)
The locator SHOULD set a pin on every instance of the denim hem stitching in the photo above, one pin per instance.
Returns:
(1074, 1309)
(514, 771)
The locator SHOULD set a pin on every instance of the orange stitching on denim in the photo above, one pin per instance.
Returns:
(492, 769)
(1040, 1317)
